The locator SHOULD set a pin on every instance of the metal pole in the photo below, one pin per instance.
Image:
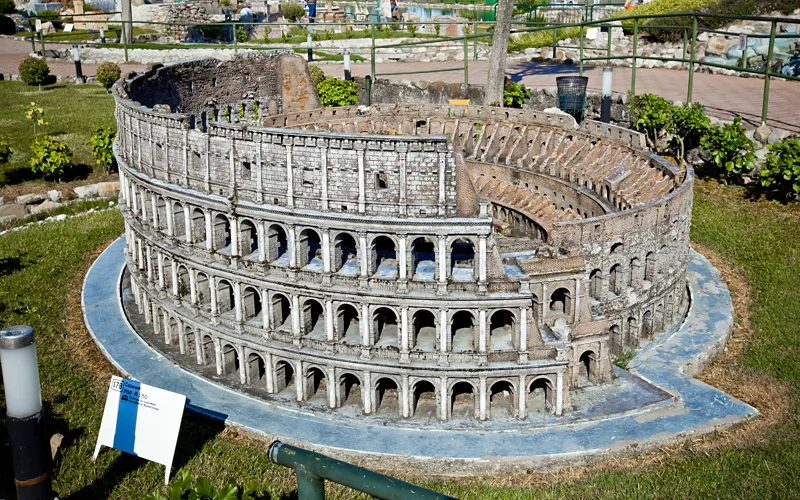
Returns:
(30, 444)
(605, 94)
(347, 74)
(580, 52)
(608, 49)
(767, 73)
(372, 52)
(76, 56)
(236, 40)
(685, 42)
(635, 50)
(310, 50)
(466, 61)
(691, 59)
(475, 41)
(309, 485)
(555, 42)
(125, 39)
(33, 35)
(368, 85)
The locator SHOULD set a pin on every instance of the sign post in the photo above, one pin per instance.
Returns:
(141, 420)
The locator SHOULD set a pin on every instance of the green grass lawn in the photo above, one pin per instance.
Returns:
(760, 239)
(72, 112)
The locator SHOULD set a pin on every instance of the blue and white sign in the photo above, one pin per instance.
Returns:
(141, 420)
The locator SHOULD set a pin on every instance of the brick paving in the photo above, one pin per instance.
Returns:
(723, 96)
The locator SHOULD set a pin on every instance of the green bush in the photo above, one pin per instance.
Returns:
(730, 151)
(50, 157)
(102, 141)
(202, 489)
(108, 73)
(337, 92)
(652, 115)
(317, 75)
(241, 34)
(297, 31)
(7, 26)
(689, 125)
(5, 149)
(33, 71)
(7, 7)
(781, 169)
(292, 12)
(514, 94)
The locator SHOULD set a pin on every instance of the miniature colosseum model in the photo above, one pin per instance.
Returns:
(487, 259)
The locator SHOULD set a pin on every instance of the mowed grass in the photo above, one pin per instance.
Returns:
(71, 111)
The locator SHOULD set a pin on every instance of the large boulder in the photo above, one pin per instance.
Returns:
(762, 133)
(107, 189)
(13, 210)
(45, 206)
(29, 199)
(89, 191)
(54, 195)
(718, 46)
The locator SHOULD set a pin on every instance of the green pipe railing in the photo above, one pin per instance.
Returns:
(313, 469)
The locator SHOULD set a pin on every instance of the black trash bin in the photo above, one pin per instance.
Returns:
(572, 95)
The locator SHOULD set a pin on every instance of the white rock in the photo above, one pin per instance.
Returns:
(89, 191)
(54, 195)
(61, 217)
(45, 206)
(777, 135)
(27, 199)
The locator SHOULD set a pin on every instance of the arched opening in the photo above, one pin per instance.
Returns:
(423, 259)
(647, 325)
(617, 248)
(502, 402)
(203, 290)
(178, 221)
(316, 387)
(587, 367)
(649, 266)
(616, 339)
(615, 279)
(184, 284)
(311, 321)
(256, 370)
(251, 305)
(387, 401)
(161, 211)
(284, 377)
(277, 246)
(501, 331)
(281, 313)
(189, 345)
(309, 250)
(208, 356)
(423, 400)
(167, 270)
(595, 284)
(222, 234)
(632, 332)
(198, 227)
(540, 396)
(384, 327)
(172, 329)
(462, 260)
(248, 239)
(462, 332)
(345, 255)
(634, 271)
(230, 360)
(348, 328)
(384, 258)
(349, 390)
(424, 331)
(560, 301)
(225, 300)
(462, 401)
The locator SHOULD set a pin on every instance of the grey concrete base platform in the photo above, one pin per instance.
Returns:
(668, 363)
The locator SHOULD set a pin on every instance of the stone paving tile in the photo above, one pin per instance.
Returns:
(701, 408)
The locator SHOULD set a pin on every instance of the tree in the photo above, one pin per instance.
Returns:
(33, 71)
(493, 95)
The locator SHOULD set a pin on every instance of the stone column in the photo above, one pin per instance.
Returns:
(150, 277)
(266, 311)
(170, 208)
(174, 274)
(482, 259)
(523, 336)
(289, 175)
(522, 398)
(187, 224)
(329, 328)
(218, 356)
(443, 399)
(300, 382)
(212, 292)
(160, 267)
(234, 221)
(242, 365)
(402, 157)
(362, 197)
(209, 232)
(193, 287)
(577, 302)
(404, 335)
(290, 244)
(442, 180)
(402, 260)
(154, 205)
(270, 373)
(323, 167)
(326, 251)
(237, 305)
(262, 242)
(259, 173)
(366, 393)
(442, 260)
(482, 338)
(365, 323)
(332, 387)
(559, 394)
(405, 406)
(444, 337)
(482, 396)
(363, 255)
(295, 316)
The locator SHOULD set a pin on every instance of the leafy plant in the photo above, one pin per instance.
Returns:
(337, 92)
(781, 169)
(33, 71)
(255, 111)
(102, 141)
(292, 11)
(653, 116)
(5, 149)
(298, 31)
(317, 75)
(348, 32)
(181, 488)
(624, 358)
(689, 125)
(7, 7)
(437, 28)
(35, 113)
(108, 73)
(729, 149)
(50, 157)
(412, 29)
(241, 34)
(514, 94)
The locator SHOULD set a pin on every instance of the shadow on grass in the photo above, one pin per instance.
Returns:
(10, 265)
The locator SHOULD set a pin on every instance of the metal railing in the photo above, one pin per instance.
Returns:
(313, 469)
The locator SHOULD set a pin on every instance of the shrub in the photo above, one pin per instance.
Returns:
(514, 94)
(653, 116)
(317, 75)
(689, 125)
(35, 113)
(241, 34)
(337, 92)
(107, 74)
(412, 29)
(292, 12)
(33, 71)
(51, 16)
(7, 7)
(781, 169)
(729, 149)
(5, 149)
(50, 157)
(102, 141)
(202, 489)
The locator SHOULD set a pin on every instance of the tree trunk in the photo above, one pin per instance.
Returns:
(493, 95)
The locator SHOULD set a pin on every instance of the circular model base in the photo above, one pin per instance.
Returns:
(655, 402)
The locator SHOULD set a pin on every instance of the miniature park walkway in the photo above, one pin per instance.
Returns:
(723, 96)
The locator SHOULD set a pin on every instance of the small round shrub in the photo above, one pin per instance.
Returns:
(50, 157)
(337, 92)
(7, 26)
(781, 169)
(107, 74)
(317, 75)
(33, 71)
(292, 11)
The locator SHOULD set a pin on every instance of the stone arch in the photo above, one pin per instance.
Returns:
(385, 328)
(222, 233)
(189, 344)
(277, 245)
(540, 396)
(251, 304)
(387, 396)
(617, 248)
(309, 249)
(615, 281)
(632, 332)
(312, 319)
(501, 330)
(345, 254)
(316, 381)
(348, 328)
(225, 297)
(207, 352)
(256, 370)
(424, 399)
(184, 282)
(560, 301)
(383, 257)
(178, 220)
(633, 272)
(161, 213)
(617, 340)
(248, 238)
(596, 284)
(203, 290)
(502, 399)
(173, 329)
(649, 266)
(462, 259)
(281, 312)
(423, 258)
(423, 330)
(229, 356)
(463, 332)
(587, 366)
(198, 221)
(463, 400)
(284, 376)
(648, 328)
(349, 390)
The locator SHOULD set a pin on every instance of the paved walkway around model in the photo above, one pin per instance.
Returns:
(666, 362)
(723, 96)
